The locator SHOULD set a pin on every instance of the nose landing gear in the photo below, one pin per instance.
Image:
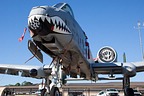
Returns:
(54, 81)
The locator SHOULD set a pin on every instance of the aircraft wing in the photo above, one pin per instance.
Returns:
(126, 69)
(105, 68)
(106, 63)
(139, 66)
(23, 70)
(129, 69)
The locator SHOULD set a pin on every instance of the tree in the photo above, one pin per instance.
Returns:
(17, 84)
(124, 57)
(25, 83)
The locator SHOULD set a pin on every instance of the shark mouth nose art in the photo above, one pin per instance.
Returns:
(44, 25)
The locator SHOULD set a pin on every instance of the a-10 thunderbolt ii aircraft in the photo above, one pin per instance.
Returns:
(54, 31)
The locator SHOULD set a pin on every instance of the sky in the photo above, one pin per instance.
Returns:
(106, 23)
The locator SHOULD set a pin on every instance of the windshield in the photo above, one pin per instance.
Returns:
(58, 5)
(65, 7)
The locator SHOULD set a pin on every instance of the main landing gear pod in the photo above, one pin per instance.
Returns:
(107, 55)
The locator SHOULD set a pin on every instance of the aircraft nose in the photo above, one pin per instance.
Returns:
(45, 20)
(36, 20)
(35, 24)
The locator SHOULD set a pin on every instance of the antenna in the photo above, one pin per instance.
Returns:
(139, 27)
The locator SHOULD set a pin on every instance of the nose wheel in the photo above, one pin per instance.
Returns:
(54, 91)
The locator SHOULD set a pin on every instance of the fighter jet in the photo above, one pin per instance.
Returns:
(55, 31)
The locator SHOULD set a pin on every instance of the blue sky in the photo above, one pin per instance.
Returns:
(106, 23)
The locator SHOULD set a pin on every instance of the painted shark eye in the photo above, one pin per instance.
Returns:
(47, 15)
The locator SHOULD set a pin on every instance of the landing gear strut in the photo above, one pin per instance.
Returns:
(126, 86)
(53, 91)
(53, 81)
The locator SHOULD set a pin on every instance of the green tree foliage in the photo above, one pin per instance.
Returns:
(124, 57)
(25, 83)
(17, 84)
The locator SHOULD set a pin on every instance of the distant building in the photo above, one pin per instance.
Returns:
(74, 89)
(17, 90)
(91, 89)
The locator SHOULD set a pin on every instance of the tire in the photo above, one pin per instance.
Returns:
(129, 92)
(54, 91)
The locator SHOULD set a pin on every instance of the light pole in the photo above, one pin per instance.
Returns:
(139, 27)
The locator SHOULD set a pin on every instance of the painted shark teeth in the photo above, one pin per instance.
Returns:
(57, 23)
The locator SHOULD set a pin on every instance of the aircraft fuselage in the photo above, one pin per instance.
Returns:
(56, 32)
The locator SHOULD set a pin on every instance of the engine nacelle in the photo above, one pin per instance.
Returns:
(40, 72)
(129, 69)
(106, 55)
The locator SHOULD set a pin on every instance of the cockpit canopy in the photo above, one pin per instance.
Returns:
(65, 7)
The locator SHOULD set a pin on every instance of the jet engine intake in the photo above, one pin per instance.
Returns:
(40, 72)
(107, 55)
(33, 72)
